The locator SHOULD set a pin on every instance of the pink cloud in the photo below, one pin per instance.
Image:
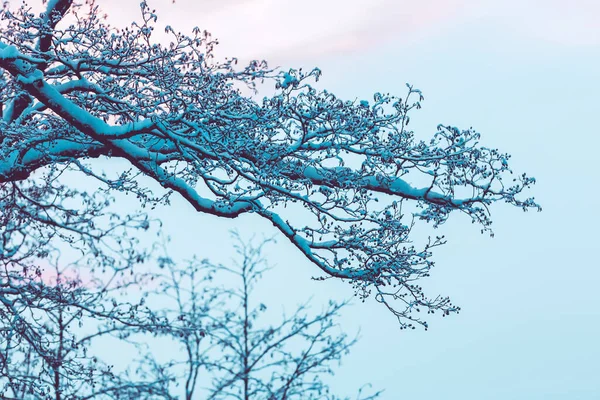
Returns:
(291, 31)
(271, 28)
(51, 278)
(50, 275)
(78, 276)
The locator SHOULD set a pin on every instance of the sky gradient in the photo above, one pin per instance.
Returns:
(523, 73)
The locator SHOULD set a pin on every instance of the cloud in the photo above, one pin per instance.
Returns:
(271, 28)
(296, 30)
(291, 31)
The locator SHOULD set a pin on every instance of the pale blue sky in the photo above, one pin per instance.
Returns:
(524, 74)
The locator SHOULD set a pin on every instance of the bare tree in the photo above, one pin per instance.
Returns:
(54, 305)
(230, 351)
(47, 335)
(50, 328)
(344, 181)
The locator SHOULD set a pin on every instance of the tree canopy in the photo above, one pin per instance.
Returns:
(344, 181)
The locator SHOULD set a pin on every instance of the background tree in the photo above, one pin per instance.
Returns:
(48, 338)
(229, 350)
(54, 303)
(344, 181)
(50, 327)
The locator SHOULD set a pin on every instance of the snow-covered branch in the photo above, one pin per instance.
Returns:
(345, 181)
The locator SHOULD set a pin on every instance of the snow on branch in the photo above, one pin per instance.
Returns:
(344, 181)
